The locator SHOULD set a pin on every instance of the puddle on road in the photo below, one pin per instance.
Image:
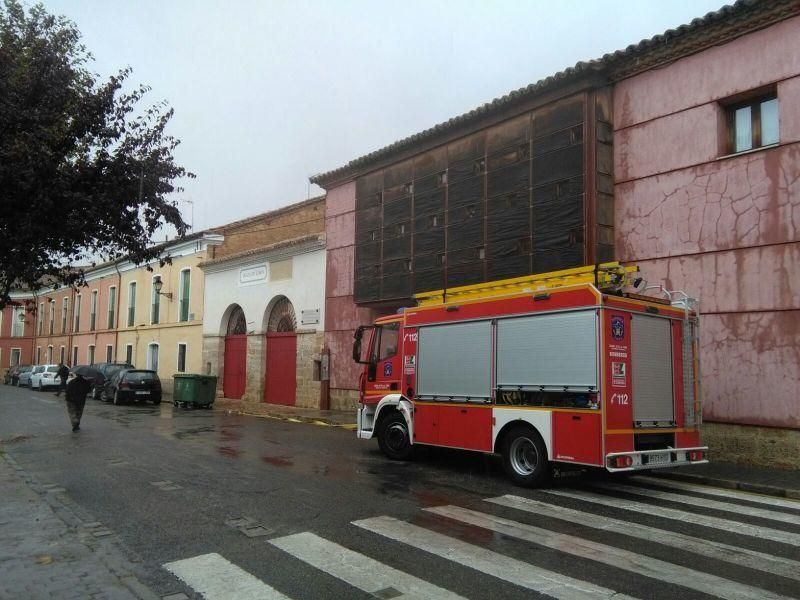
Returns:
(186, 433)
(229, 452)
(15, 438)
(278, 461)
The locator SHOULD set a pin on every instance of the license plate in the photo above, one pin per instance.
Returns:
(142, 393)
(658, 459)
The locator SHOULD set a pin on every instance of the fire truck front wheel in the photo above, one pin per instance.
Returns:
(393, 437)
(525, 457)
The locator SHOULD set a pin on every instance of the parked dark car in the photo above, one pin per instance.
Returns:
(105, 371)
(12, 375)
(132, 385)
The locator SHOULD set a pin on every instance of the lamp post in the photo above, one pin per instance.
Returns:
(158, 285)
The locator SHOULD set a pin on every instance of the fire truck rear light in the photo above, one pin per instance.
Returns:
(621, 462)
(696, 455)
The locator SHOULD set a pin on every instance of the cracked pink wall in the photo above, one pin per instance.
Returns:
(726, 230)
(342, 316)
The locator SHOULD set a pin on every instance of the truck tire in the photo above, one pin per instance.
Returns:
(393, 438)
(525, 457)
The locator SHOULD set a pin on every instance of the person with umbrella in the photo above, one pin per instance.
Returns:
(76, 393)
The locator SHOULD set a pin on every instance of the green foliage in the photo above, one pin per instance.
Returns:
(85, 170)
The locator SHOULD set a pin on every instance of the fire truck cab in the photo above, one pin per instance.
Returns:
(569, 367)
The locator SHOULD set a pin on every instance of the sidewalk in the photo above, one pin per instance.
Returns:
(760, 480)
(772, 482)
(48, 551)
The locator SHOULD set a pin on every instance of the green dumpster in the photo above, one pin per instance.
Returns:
(195, 390)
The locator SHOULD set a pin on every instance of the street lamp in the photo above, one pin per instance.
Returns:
(157, 285)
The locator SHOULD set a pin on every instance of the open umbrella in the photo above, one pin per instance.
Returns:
(86, 371)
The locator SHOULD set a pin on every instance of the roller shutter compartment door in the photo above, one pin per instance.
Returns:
(454, 361)
(551, 352)
(651, 363)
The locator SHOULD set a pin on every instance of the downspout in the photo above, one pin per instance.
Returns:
(35, 326)
(70, 326)
(116, 312)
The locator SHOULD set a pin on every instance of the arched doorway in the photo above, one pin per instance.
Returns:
(234, 378)
(280, 384)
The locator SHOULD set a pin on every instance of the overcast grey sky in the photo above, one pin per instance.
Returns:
(267, 93)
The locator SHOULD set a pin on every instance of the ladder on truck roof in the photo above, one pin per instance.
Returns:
(606, 277)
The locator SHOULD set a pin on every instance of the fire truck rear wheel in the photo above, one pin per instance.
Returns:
(525, 457)
(393, 438)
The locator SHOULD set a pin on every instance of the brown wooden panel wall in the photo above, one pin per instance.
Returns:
(503, 202)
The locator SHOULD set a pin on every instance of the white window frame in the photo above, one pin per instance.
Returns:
(18, 352)
(90, 349)
(51, 327)
(150, 356)
(127, 347)
(155, 299)
(74, 356)
(131, 297)
(17, 324)
(180, 295)
(111, 313)
(64, 313)
(38, 355)
(110, 355)
(50, 354)
(63, 355)
(178, 357)
(94, 299)
(40, 319)
(76, 314)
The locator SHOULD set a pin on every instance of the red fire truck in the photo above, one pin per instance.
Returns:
(570, 367)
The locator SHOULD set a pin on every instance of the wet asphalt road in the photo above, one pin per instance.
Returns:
(166, 481)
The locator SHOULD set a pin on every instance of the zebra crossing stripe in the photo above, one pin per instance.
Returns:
(705, 503)
(216, 578)
(712, 491)
(358, 570)
(488, 562)
(743, 557)
(775, 535)
(609, 555)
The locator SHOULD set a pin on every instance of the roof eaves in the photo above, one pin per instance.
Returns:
(617, 64)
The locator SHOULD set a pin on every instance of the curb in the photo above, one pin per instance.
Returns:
(756, 488)
(319, 421)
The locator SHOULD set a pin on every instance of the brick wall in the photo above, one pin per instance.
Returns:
(294, 221)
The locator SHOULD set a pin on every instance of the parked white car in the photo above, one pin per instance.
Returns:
(44, 376)
(25, 380)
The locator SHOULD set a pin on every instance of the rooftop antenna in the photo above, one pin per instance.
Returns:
(191, 203)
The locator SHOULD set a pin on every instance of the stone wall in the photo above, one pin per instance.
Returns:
(750, 445)
(342, 399)
(213, 358)
(309, 349)
(256, 361)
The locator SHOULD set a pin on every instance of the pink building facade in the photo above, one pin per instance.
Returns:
(703, 192)
(697, 215)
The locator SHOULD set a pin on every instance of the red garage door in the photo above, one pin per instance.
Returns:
(280, 385)
(235, 373)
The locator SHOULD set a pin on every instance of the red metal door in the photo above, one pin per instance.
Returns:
(280, 384)
(234, 375)
(576, 437)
